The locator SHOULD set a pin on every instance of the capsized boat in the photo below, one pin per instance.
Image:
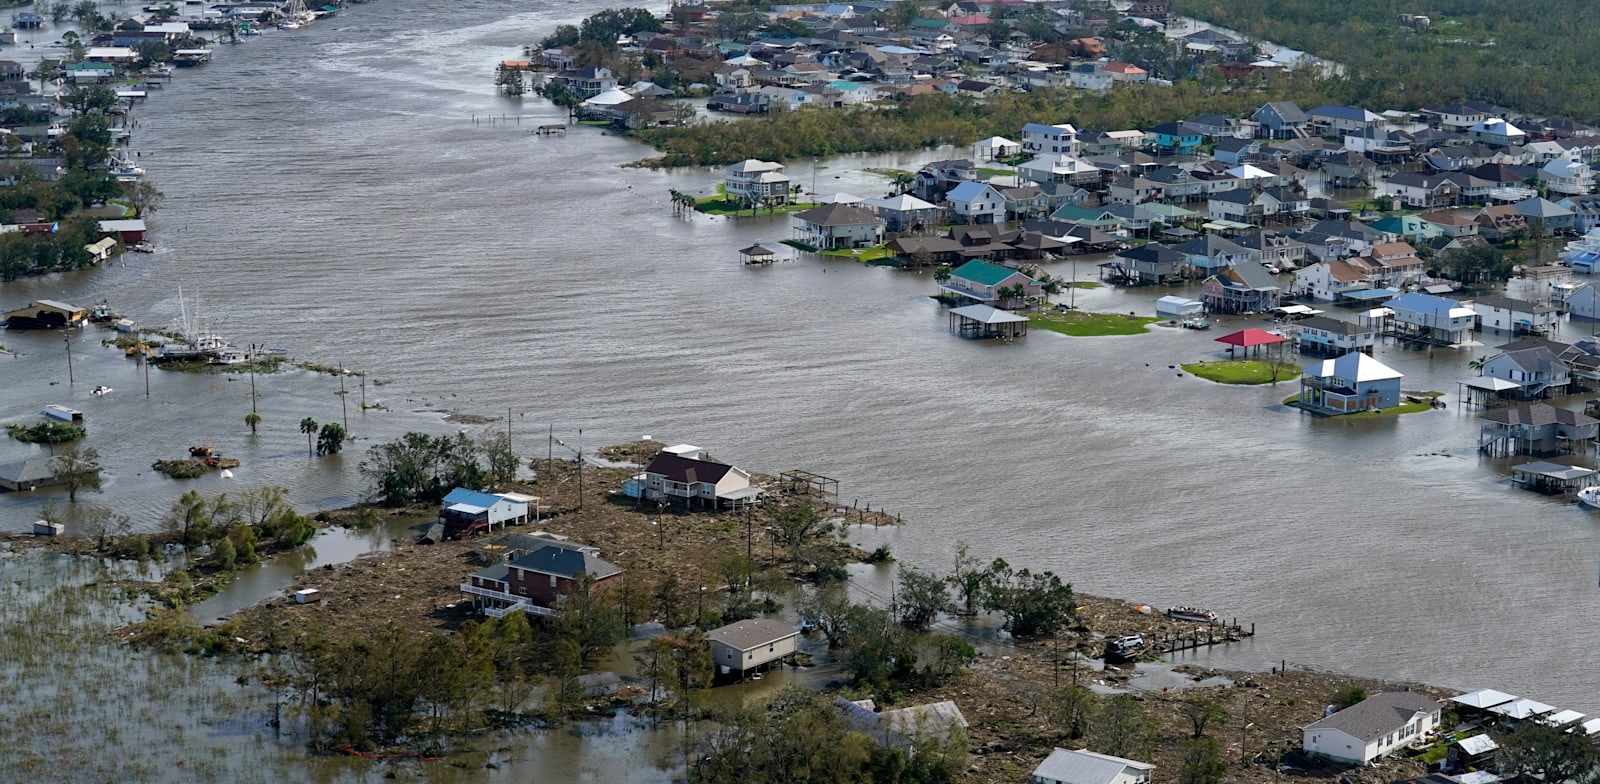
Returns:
(1195, 614)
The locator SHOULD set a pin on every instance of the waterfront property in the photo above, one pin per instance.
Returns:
(1536, 429)
(1330, 337)
(1349, 384)
(1246, 287)
(753, 182)
(1537, 371)
(838, 226)
(1151, 263)
(1431, 319)
(467, 512)
(1065, 766)
(991, 284)
(1551, 479)
(691, 480)
(751, 645)
(536, 581)
(33, 473)
(1371, 728)
(1515, 316)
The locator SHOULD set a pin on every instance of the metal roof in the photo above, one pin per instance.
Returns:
(983, 314)
(752, 633)
(1355, 366)
(1478, 744)
(1525, 708)
(1553, 471)
(1085, 767)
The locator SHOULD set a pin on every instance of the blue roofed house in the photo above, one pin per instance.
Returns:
(1431, 318)
(1175, 138)
(465, 512)
(983, 283)
(1349, 384)
(976, 202)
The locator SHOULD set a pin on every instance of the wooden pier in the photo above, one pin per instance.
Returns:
(1202, 637)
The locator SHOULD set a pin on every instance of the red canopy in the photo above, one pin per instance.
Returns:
(1246, 338)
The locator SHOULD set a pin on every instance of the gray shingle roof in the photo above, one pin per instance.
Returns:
(1378, 715)
(565, 562)
(751, 633)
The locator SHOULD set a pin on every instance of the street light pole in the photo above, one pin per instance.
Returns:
(69, 359)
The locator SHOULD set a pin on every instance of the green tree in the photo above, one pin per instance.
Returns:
(500, 460)
(942, 273)
(969, 579)
(1121, 728)
(1539, 751)
(1033, 604)
(882, 651)
(309, 427)
(88, 98)
(331, 439)
(1071, 709)
(78, 468)
(1349, 695)
(922, 596)
(252, 419)
(1202, 762)
(143, 196)
(797, 526)
(152, 53)
(1203, 709)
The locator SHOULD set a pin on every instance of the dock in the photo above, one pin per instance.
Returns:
(1203, 637)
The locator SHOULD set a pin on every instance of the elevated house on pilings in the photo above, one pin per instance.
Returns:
(1536, 429)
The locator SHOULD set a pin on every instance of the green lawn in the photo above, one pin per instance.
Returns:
(1082, 324)
(987, 173)
(717, 205)
(861, 254)
(1241, 371)
(1403, 408)
(1082, 284)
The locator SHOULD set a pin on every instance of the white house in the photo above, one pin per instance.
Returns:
(1515, 316)
(1567, 177)
(1038, 138)
(756, 182)
(1324, 336)
(1059, 167)
(1432, 318)
(1371, 728)
(976, 202)
(1065, 766)
(674, 477)
(1329, 280)
(749, 644)
(1497, 132)
(840, 226)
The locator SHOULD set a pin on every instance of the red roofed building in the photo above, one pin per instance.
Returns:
(676, 477)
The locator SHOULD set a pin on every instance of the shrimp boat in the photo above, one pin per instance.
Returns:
(1195, 614)
(198, 344)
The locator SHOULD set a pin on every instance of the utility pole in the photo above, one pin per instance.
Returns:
(252, 379)
(344, 409)
(1055, 668)
(69, 360)
(580, 469)
(144, 359)
(550, 451)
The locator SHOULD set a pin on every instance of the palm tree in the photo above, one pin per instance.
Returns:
(252, 419)
(1477, 363)
(309, 427)
(1051, 287)
(941, 274)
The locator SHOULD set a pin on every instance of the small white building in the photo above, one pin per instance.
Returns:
(1176, 307)
(749, 644)
(977, 202)
(1065, 766)
(1371, 728)
(1515, 316)
(755, 182)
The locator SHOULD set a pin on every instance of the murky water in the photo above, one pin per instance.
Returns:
(329, 192)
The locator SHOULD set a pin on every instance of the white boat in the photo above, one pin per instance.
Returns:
(101, 390)
(1191, 614)
(1583, 253)
(62, 413)
(1590, 497)
(124, 170)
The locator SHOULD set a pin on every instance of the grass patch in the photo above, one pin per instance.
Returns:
(1241, 371)
(861, 254)
(45, 432)
(717, 205)
(1082, 324)
(891, 173)
(798, 245)
(987, 173)
(1410, 407)
(1082, 284)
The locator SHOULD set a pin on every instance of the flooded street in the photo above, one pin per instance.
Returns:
(327, 191)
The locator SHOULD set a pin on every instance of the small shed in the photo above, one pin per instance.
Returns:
(307, 596)
(47, 528)
(1176, 307)
(982, 321)
(101, 249)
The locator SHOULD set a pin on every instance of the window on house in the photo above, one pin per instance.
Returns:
(552, 581)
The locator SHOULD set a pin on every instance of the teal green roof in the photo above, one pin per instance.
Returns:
(89, 66)
(930, 24)
(1085, 216)
(983, 273)
(1407, 226)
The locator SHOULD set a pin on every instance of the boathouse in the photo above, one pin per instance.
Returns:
(757, 254)
(983, 321)
(46, 314)
(1552, 478)
(751, 644)
(129, 231)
